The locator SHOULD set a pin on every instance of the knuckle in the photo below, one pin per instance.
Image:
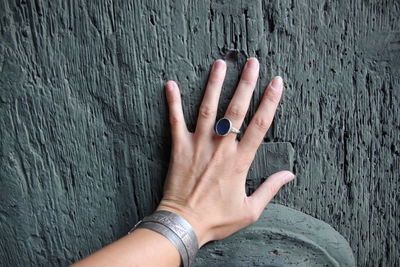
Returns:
(261, 123)
(207, 112)
(171, 100)
(236, 111)
(246, 82)
(214, 80)
(273, 96)
(174, 119)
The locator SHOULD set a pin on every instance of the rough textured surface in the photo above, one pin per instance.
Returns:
(84, 134)
(281, 237)
(270, 158)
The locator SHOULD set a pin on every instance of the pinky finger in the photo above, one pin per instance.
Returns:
(178, 126)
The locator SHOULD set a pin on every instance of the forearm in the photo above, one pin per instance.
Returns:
(143, 247)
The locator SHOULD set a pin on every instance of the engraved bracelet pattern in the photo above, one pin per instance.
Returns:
(176, 229)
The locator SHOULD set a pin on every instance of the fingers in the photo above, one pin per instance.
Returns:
(209, 106)
(239, 104)
(267, 190)
(262, 120)
(176, 118)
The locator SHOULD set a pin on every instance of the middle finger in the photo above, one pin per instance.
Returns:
(209, 105)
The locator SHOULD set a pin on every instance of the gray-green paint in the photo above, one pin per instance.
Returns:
(84, 131)
(281, 237)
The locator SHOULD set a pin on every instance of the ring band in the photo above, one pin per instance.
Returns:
(224, 126)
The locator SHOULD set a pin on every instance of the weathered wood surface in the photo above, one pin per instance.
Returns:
(84, 134)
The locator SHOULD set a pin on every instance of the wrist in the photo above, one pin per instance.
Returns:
(176, 229)
(199, 227)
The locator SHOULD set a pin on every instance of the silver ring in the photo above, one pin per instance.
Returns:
(224, 126)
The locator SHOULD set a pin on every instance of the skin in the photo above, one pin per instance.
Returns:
(207, 173)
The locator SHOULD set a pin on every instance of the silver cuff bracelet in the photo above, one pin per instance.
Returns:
(176, 229)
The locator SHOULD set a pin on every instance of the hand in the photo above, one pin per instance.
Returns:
(207, 173)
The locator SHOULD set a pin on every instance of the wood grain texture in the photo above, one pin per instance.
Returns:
(83, 116)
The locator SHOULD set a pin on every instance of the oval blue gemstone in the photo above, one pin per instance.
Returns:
(223, 126)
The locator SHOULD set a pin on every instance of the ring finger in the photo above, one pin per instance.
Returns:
(240, 102)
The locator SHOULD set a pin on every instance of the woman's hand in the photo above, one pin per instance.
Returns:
(207, 172)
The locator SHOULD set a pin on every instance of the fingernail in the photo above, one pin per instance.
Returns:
(289, 177)
(251, 62)
(277, 83)
(170, 85)
(219, 65)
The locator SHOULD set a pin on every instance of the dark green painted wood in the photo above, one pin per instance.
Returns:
(84, 134)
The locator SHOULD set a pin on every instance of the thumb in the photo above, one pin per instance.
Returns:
(268, 189)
